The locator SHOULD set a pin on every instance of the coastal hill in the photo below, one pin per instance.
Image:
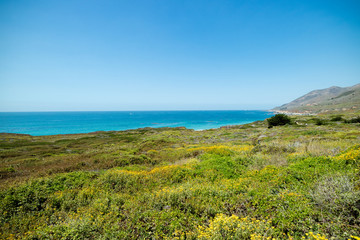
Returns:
(325, 100)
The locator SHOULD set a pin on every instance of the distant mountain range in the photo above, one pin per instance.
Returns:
(325, 100)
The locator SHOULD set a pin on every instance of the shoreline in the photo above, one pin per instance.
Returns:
(48, 124)
(130, 129)
(290, 113)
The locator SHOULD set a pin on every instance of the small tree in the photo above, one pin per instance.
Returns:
(278, 120)
(337, 118)
(353, 120)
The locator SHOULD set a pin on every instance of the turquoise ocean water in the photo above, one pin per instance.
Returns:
(49, 123)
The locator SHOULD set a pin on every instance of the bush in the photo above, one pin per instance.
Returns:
(336, 118)
(319, 121)
(278, 120)
(353, 120)
(233, 227)
(338, 195)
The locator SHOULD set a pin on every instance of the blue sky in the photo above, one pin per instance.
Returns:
(173, 55)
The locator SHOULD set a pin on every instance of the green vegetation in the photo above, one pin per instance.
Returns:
(353, 120)
(336, 118)
(298, 181)
(278, 120)
(319, 121)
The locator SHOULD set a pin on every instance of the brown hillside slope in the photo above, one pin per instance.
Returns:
(324, 100)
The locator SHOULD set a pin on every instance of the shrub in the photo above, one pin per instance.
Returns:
(351, 156)
(219, 166)
(337, 195)
(278, 120)
(336, 118)
(353, 120)
(233, 227)
(319, 121)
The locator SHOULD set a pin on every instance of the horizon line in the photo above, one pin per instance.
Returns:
(165, 110)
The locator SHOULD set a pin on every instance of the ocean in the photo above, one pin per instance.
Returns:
(51, 123)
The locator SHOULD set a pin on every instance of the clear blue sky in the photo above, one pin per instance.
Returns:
(173, 55)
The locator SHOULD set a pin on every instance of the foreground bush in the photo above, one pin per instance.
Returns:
(233, 227)
(337, 195)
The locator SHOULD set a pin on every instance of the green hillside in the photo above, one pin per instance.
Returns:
(326, 100)
(297, 181)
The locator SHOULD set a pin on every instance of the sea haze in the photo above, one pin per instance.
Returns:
(50, 123)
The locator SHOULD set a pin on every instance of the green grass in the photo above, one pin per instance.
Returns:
(244, 182)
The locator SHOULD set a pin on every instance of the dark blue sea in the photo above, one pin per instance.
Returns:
(50, 123)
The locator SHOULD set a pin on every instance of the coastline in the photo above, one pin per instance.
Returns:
(41, 124)
(294, 113)
(230, 126)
